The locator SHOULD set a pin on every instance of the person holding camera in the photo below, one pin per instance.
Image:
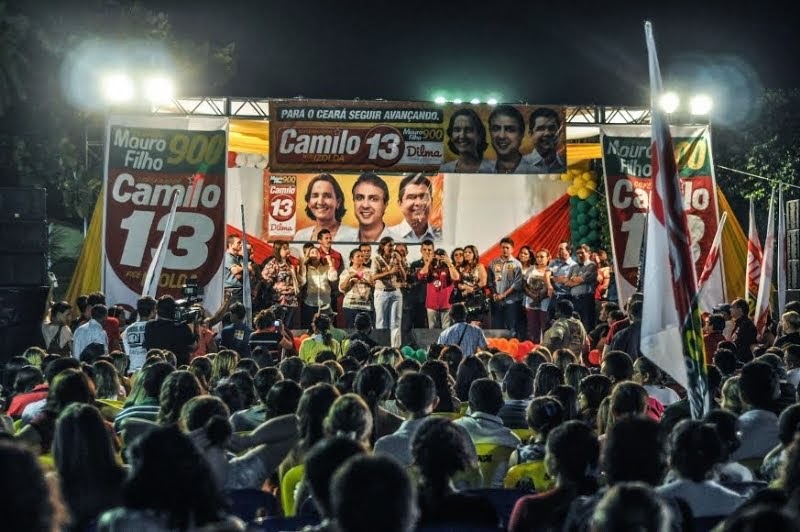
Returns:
(440, 275)
(356, 285)
(166, 333)
(319, 276)
(270, 335)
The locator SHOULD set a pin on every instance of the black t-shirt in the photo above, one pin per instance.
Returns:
(268, 341)
(166, 334)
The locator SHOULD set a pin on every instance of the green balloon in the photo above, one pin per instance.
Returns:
(592, 200)
(407, 351)
(594, 214)
(583, 219)
(583, 230)
(594, 224)
(574, 200)
(593, 237)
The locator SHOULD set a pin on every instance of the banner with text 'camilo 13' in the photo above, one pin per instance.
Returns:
(150, 160)
(336, 135)
(627, 166)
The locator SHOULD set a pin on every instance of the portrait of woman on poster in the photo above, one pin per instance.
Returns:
(467, 139)
(325, 206)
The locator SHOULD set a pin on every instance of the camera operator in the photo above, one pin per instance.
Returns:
(440, 275)
(165, 333)
(236, 336)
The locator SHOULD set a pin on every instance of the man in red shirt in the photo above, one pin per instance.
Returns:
(440, 275)
(325, 245)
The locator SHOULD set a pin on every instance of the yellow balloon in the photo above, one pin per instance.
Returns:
(584, 193)
(572, 190)
(575, 171)
(591, 185)
(566, 177)
(578, 182)
(587, 176)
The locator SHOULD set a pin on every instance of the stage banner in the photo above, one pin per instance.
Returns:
(627, 167)
(149, 162)
(505, 139)
(336, 135)
(355, 207)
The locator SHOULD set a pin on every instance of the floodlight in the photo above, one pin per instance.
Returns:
(492, 101)
(457, 101)
(700, 104)
(474, 101)
(117, 87)
(439, 100)
(158, 89)
(669, 102)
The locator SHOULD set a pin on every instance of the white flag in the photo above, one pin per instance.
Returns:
(150, 285)
(765, 283)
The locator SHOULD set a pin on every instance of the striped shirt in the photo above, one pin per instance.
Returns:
(473, 337)
(147, 411)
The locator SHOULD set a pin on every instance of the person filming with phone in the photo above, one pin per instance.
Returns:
(440, 275)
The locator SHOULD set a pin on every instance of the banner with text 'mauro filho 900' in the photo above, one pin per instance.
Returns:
(628, 167)
(150, 160)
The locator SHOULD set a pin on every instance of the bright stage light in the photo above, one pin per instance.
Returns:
(669, 102)
(117, 87)
(158, 89)
(700, 104)
(492, 101)
(457, 101)
(474, 101)
(439, 100)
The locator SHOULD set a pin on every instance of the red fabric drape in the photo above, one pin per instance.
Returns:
(545, 230)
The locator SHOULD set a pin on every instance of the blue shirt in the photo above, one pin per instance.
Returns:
(231, 281)
(505, 274)
(560, 268)
(236, 336)
(472, 340)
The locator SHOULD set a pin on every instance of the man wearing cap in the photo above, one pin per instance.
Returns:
(439, 274)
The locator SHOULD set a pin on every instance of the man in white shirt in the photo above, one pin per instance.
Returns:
(133, 337)
(415, 200)
(91, 332)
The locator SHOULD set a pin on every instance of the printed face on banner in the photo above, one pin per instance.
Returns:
(354, 207)
(514, 139)
(147, 168)
(628, 170)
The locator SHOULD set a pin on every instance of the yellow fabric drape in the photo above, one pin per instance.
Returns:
(86, 277)
(583, 152)
(248, 136)
(734, 250)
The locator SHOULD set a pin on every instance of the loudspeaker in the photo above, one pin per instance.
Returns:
(792, 295)
(23, 269)
(425, 337)
(497, 333)
(382, 336)
(23, 237)
(793, 244)
(21, 313)
(793, 215)
(793, 274)
(23, 204)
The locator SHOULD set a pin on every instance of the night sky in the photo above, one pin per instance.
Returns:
(562, 53)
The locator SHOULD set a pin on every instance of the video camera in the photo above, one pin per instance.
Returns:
(185, 311)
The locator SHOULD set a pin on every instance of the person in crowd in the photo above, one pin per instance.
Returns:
(681, 409)
(790, 324)
(222, 367)
(270, 336)
(791, 358)
(363, 326)
(415, 199)
(572, 453)
(414, 291)
(373, 493)
(144, 399)
(107, 383)
(574, 374)
(166, 333)
(91, 332)
(525, 256)
(631, 506)
(441, 451)
(605, 276)
(548, 376)
(788, 424)
(582, 281)
(629, 399)
(177, 389)
(566, 331)
(758, 388)
(438, 371)
(321, 340)
(628, 339)
(646, 373)
(744, 333)
(439, 275)
(56, 332)
(311, 411)
(318, 276)
(712, 335)
(29, 386)
(472, 284)
(170, 487)
(543, 415)
(281, 280)
(597, 336)
(33, 405)
(374, 384)
(252, 417)
(236, 335)
(518, 389)
(89, 475)
(356, 285)
(388, 274)
(538, 288)
(726, 471)
(568, 397)
(467, 139)
(499, 364)
(695, 450)
(468, 337)
(133, 337)
(349, 416)
(560, 267)
(726, 363)
(506, 281)
(325, 207)
(469, 370)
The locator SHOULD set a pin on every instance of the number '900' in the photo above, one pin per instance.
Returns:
(192, 250)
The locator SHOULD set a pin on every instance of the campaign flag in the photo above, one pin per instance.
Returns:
(247, 299)
(150, 285)
(781, 253)
(765, 282)
(754, 257)
(671, 325)
(713, 255)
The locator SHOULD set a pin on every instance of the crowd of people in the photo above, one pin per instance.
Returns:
(137, 419)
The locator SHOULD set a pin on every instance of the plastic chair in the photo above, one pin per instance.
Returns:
(288, 484)
(493, 461)
(502, 499)
(523, 434)
(746, 488)
(18, 424)
(250, 504)
(530, 476)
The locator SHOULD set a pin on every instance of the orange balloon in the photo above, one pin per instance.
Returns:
(594, 357)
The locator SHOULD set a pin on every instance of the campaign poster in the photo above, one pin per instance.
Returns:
(150, 161)
(628, 167)
(355, 207)
(504, 139)
(337, 135)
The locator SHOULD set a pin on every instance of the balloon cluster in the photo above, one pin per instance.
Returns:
(247, 160)
(512, 346)
(583, 202)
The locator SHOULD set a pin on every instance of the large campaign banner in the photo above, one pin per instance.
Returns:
(361, 207)
(628, 168)
(505, 139)
(150, 161)
(335, 135)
